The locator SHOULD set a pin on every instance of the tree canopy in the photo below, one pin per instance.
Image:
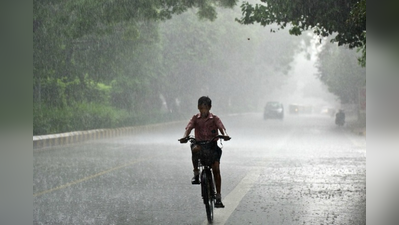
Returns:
(346, 19)
(339, 71)
(113, 63)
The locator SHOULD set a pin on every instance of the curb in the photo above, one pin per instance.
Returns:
(356, 127)
(359, 131)
(50, 140)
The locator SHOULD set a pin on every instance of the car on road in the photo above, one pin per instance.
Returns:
(273, 110)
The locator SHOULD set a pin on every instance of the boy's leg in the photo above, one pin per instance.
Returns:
(218, 184)
(218, 177)
(194, 159)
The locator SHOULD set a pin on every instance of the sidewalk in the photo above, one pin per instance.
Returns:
(356, 127)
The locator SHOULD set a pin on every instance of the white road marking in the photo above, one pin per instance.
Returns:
(232, 200)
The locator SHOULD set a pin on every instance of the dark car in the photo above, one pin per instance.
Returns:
(273, 110)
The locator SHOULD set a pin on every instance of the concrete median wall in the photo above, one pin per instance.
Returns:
(45, 141)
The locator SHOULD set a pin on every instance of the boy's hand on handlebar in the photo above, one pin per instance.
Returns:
(183, 140)
(226, 138)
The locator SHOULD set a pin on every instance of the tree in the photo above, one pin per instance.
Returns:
(123, 54)
(338, 70)
(85, 47)
(346, 19)
(224, 59)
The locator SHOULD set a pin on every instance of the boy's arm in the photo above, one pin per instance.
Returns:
(221, 128)
(189, 127)
(224, 133)
(186, 133)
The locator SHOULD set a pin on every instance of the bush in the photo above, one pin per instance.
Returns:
(88, 116)
(50, 120)
(95, 116)
(82, 116)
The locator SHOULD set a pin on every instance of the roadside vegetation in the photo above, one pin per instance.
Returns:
(106, 64)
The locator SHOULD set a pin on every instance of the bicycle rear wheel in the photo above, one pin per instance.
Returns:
(207, 194)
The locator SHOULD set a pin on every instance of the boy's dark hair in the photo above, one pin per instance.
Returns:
(205, 100)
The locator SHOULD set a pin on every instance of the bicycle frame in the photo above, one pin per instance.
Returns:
(208, 190)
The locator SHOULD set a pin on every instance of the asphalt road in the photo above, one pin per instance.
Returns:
(303, 170)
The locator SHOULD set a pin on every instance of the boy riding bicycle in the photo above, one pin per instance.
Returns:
(206, 127)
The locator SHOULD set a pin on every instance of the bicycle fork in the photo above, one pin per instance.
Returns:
(207, 185)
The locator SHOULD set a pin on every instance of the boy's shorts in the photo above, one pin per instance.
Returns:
(217, 153)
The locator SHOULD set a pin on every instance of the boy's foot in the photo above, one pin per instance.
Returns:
(219, 204)
(195, 180)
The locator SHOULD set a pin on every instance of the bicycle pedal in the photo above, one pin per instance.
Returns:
(194, 182)
(219, 205)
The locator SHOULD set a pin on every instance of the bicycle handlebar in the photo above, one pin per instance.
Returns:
(186, 139)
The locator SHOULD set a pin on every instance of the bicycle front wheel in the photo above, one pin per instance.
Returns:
(207, 194)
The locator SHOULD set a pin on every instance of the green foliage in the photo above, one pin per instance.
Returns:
(52, 92)
(221, 58)
(50, 120)
(104, 64)
(94, 115)
(338, 69)
(362, 50)
(345, 18)
(59, 92)
(80, 116)
(88, 116)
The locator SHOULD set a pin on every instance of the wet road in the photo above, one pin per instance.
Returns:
(303, 170)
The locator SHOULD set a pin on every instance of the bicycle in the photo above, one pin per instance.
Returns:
(207, 181)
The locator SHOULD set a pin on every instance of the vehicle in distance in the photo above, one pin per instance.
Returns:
(273, 110)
